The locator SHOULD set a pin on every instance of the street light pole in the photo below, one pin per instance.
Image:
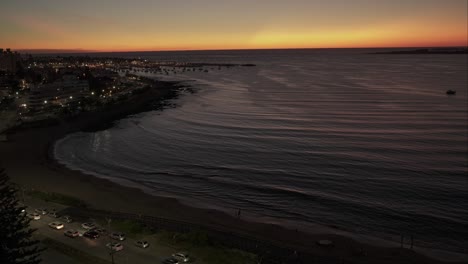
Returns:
(111, 251)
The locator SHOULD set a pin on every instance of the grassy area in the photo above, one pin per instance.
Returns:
(132, 229)
(213, 255)
(57, 198)
(198, 244)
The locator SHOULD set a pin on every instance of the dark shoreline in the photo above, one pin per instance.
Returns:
(152, 98)
(44, 172)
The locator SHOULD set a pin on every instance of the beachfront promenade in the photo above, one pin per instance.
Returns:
(83, 250)
(268, 252)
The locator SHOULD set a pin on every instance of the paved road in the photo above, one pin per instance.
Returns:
(130, 254)
(52, 256)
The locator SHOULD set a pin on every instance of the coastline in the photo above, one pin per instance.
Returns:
(27, 156)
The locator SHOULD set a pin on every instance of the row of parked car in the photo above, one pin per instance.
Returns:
(177, 258)
(36, 215)
(93, 231)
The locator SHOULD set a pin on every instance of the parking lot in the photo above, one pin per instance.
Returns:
(155, 253)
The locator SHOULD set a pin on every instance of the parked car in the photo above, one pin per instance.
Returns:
(81, 231)
(91, 234)
(71, 233)
(100, 230)
(56, 225)
(34, 216)
(88, 226)
(66, 219)
(117, 236)
(54, 214)
(142, 244)
(181, 256)
(41, 211)
(115, 246)
(170, 261)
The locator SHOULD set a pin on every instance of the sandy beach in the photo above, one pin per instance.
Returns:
(27, 158)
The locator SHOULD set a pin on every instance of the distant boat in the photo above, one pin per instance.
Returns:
(451, 92)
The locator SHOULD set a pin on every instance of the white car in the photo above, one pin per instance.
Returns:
(41, 211)
(115, 246)
(171, 261)
(34, 216)
(56, 225)
(88, 226)
(117, 236)
(142, 244)
(181, 256)
(71, 233)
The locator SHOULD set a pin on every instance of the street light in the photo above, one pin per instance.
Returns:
(111, 253)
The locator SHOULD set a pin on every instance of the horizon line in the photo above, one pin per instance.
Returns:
(234, 49)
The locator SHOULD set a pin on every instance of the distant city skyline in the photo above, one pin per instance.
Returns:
(147, 25)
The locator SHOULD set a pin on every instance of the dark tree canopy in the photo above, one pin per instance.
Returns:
(16, 243)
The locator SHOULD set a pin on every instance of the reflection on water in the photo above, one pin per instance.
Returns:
(371, 144)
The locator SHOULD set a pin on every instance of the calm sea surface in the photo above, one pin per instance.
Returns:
(367, 143)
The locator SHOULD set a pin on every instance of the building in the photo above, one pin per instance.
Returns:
(6, 84)
(4, 89)
(8, 60)
(67, 90)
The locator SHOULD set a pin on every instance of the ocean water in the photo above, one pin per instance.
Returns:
(369, 144)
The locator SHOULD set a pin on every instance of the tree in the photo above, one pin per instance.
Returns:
(16, 243)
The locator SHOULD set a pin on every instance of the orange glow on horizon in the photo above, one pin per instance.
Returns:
(288, 41)
(359, 38)
(310, 24)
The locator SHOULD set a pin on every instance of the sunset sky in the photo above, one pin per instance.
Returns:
(121, 25)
